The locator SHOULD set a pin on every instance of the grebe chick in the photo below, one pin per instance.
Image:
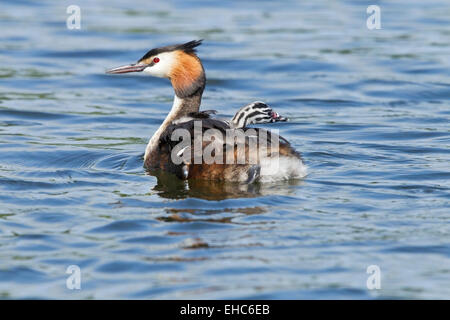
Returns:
(253, 113)
(181, 65)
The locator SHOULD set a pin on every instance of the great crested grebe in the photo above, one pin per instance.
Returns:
(180, 64)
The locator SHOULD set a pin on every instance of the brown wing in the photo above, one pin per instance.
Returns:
(244, 165)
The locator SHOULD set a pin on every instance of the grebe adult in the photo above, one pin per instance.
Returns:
(180, 64)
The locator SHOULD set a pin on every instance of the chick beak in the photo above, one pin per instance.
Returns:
(127, 68)
(277, 117)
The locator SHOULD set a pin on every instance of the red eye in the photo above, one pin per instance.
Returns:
(156, 60)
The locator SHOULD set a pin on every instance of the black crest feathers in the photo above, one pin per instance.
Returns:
(188, 47)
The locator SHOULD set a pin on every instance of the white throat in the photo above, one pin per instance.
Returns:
(154, 140)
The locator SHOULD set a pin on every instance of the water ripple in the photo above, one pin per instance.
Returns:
(368, 110)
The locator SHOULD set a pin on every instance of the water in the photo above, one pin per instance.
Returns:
(368, 109)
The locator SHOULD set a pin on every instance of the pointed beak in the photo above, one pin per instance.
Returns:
(277, 117)
(127, 68)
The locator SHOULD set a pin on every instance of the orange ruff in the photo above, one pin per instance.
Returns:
(186, 71)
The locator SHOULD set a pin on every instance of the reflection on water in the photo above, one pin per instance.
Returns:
(368, 110)
(168, 186)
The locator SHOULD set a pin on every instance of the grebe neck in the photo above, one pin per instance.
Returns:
(181, 107)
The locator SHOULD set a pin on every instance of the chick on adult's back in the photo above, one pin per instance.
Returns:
(182, 66)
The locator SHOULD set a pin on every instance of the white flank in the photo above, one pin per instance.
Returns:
(281, 168)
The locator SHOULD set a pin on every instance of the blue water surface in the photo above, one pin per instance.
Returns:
(369, 110)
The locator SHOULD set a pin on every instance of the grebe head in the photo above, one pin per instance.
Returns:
(255, 113)
(179, 63)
